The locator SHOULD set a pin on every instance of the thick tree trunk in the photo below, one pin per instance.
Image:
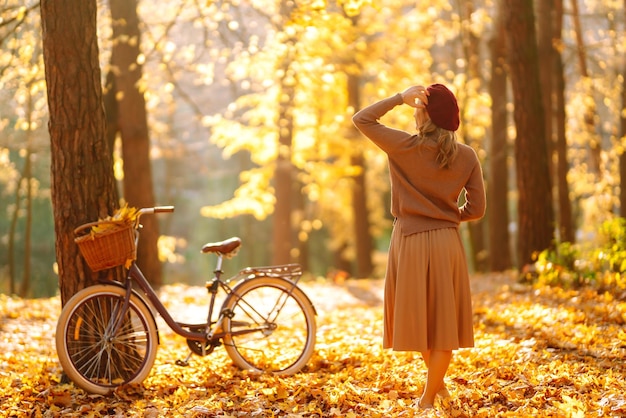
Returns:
(133, 124)
(498, 182)
(83, 186)
(535, 210)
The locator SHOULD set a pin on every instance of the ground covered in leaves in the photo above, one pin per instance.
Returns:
(539, 352)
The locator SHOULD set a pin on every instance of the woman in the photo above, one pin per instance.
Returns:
(428, 304)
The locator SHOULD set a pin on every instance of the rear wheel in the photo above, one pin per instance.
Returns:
(270, 326)
(99, 346)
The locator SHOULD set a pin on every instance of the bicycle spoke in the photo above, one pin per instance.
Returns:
(129, 350)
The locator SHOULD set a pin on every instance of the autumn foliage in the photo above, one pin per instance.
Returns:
(539, 352)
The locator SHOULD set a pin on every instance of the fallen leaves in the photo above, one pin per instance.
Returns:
(544, 352)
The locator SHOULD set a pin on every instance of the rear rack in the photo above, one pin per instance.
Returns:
(287, 271)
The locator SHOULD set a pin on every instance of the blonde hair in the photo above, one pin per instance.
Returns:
(446, 142)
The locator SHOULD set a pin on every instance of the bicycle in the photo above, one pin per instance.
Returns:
(107, 335)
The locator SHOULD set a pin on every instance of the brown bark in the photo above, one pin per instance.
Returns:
(28, 173)
(535, 210)
(565, 217)
(11, 259)
(362, 236)
(471, 53)
(545, 10)
(133, 125)
(111, 110)
(283, 177)
(622, 157)
(497, 185)
(81, 167)
(552, 82)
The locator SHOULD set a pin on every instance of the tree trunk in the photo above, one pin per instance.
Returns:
(111, 110)
(565, 219)
(28, 177)
(82, 182)
(28, 227)
(11, 259)
(622, 157)
(133, 125)
(283, 177)
(497, 192)
(535, 213)
(362, 236)
(475, 80)
(304, 253)
(546, 50)
(595, 147)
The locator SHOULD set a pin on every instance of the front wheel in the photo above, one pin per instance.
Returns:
(269, 325)
(102, 346)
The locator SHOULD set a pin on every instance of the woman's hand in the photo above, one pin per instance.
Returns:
(415, 96)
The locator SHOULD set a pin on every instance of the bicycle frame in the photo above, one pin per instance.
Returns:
(134, 273)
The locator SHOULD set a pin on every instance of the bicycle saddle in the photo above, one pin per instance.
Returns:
(226, 247)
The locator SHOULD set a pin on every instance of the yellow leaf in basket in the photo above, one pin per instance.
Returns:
(132, 214)
(125, 213)
(128, 263)
(96, 229)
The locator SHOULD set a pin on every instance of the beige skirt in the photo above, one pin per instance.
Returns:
(428, 303)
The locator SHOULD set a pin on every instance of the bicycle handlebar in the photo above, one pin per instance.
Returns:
(150, 211)
(156, 209)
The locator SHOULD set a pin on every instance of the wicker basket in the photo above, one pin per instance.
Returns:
(109, 248)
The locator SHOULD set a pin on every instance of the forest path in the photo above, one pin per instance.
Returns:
(539, 352)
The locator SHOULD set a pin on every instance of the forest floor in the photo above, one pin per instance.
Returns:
(539, 352)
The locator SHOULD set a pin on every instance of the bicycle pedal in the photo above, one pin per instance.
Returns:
(182, 363)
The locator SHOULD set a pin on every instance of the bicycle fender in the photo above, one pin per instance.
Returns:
(146, 304)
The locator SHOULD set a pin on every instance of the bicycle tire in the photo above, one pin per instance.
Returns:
(94, 360)
(287, 339)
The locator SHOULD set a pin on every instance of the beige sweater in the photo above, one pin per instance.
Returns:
(423, 196)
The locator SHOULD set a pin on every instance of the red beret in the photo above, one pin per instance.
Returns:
(442, 107)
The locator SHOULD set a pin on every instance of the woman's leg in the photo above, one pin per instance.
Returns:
(443, 392)
(437, 362)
